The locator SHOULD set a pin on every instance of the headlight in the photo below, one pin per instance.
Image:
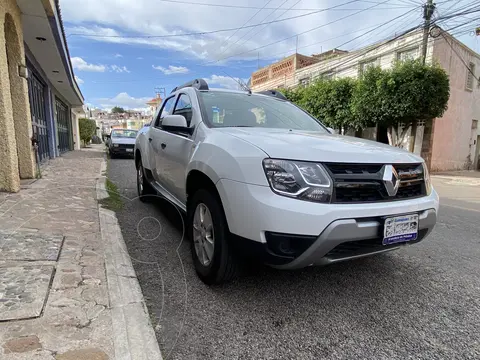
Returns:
(298, 179)
(115, 145)
(426, 176)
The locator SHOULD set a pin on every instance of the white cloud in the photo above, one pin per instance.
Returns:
(119, 69)
(96, 17)
(79, 64)
(123, 100)
(225, 82)
(139, 58)
(78, 80)
(171, 69)
(118, 55)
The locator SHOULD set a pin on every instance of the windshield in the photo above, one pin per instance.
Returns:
(226, 109)
(124, 133)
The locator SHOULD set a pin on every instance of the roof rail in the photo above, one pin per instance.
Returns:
(273, 93)
(200, 84)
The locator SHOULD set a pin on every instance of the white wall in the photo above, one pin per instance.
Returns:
(75, 130)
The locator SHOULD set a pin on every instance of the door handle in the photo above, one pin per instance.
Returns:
(163, 145)
(150, 139)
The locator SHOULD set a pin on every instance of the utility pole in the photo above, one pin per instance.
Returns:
(426, 148)
(428, 10)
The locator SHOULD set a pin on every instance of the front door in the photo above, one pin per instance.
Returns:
(177, 150)
(63, 126)
(156, 138)
(36, 92)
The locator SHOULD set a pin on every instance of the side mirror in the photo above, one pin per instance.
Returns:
(175, 123)
(330, 130)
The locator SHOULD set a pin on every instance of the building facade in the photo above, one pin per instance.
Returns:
(453, 143)
(38, 89)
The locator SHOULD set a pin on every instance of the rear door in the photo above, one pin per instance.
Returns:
(157, 140)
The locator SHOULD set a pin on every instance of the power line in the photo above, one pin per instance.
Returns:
(361, 54)
(461, 59)
(248, 32)
(220, 30)
(257, 7)
(228, 29)
(293, 36)
(246, 22)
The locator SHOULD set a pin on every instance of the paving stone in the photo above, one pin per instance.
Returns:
(27, 245)
(83, 354)
(65, 302)
(22, 344)
(25, 300)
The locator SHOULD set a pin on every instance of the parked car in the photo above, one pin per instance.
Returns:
(121, 142)
(259, 177)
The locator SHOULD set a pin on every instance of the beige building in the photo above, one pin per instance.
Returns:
(454, 140)
(37, 89)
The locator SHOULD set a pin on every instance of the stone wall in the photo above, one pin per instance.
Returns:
(17, 157)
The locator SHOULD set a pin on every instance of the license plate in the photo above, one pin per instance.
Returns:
(400, 229)
(129, 150)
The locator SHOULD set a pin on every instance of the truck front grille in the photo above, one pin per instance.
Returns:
(362, 183)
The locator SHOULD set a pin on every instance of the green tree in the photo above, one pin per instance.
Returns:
(330, 101)
(367, 102)
(294, 95)
(118, 110)
(407, 93)
(87, 129)
(415, 92)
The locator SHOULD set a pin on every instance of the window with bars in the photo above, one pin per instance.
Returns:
(470, 76)
(328, 75)
(367, 64)
(410, 54)
(305, 81)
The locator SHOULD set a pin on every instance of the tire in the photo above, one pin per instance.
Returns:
(144, 189)
(112, 155)
(222, 266)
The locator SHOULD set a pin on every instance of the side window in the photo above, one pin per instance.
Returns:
(184, 107)
(166, 110)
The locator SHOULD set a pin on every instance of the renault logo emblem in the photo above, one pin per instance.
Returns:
(390, 179)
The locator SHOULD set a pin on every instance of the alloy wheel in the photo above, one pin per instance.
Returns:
(203, 234)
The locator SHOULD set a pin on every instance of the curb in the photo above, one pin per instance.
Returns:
(460, 179)
(132, 333)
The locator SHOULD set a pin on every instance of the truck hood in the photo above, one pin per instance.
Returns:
(123, 140)
(321, 147)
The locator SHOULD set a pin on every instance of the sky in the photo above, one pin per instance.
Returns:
(121, 50)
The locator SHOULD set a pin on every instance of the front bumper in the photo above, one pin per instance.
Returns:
(252, 211)
(122, 150)
(349, 239)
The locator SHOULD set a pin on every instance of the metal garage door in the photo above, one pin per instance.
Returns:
(63, 125)
(36, 92)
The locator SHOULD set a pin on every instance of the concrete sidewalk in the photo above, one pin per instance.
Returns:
(461, 177)
(61, 295)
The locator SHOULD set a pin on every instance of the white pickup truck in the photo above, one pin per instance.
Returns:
(258, 177)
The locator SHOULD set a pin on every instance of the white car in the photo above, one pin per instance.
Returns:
(259, 177)
(121, 142)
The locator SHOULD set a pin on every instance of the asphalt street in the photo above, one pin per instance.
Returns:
(421, 302)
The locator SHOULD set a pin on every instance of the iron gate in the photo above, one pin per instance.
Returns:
(63, 126)
(36, 92)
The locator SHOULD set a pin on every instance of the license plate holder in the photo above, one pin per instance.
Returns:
(129, 150)
(399, 229)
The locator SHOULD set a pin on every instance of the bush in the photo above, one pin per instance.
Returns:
(87, 129)
(405, 94)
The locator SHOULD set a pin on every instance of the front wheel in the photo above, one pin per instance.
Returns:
(207, 228)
